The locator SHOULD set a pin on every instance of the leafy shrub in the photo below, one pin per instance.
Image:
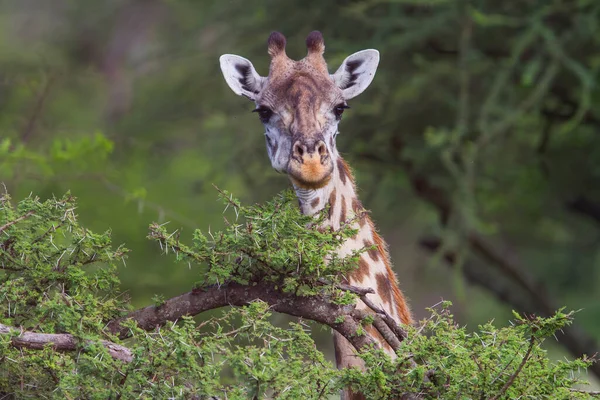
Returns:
(57, 277)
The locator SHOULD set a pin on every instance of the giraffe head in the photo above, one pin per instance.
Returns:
(301, 104)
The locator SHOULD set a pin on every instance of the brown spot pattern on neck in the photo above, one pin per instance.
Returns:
(372, 250)
(331, 203)
(362, 272)
(391, 291)
(384, 287)
(342, 171)
(315, 202)
(399, 300)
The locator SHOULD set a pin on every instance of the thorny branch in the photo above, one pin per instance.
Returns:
(60, 342)
(11, 223)
(345, 319)
(517, 371)
(399, 332)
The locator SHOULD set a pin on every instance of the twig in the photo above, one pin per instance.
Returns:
(398, 332)
(518, 371)
(349, 288)
(390, 322)
(384, 329)
(11, 223)
(162, 212)
(591, 393)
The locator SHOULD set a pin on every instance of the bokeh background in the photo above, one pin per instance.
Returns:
(477, 146)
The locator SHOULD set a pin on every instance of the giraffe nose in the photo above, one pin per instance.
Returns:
(306, 150)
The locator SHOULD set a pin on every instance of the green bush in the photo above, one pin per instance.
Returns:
(59, 278)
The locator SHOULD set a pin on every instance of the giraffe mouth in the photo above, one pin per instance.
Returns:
(310, 174)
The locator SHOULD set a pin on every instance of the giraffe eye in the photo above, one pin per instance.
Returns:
(339, 110)
(264, 113)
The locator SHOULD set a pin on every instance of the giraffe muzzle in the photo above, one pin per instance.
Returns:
(310, 165)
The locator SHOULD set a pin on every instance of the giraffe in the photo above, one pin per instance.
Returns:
(300, 105)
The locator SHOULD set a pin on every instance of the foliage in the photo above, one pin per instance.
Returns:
(496, 103)
(271, 241)
(55, 272)
(59, 277)
(440, 359)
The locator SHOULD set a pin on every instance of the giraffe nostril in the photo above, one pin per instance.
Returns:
(322, 148)
(299, 149)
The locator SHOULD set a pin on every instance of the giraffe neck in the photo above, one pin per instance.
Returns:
(374, 269)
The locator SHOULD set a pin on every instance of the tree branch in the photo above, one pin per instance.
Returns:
(11, 223)
(591, 393)
(345, 319)
(60, 342)
(518, 371)
(399, 333)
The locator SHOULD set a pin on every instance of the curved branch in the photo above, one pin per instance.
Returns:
(345, 319)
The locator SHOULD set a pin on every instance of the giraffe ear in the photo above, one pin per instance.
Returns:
(356, 72)
(241, 76)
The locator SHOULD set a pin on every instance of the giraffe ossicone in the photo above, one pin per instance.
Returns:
(300, 105)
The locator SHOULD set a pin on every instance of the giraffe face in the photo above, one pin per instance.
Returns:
(300, 104)
(301, 112)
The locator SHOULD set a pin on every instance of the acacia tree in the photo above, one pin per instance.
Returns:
(485, 110)
(515, 160)
(68, 332)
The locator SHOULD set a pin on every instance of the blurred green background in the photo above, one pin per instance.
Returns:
(477, 146)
